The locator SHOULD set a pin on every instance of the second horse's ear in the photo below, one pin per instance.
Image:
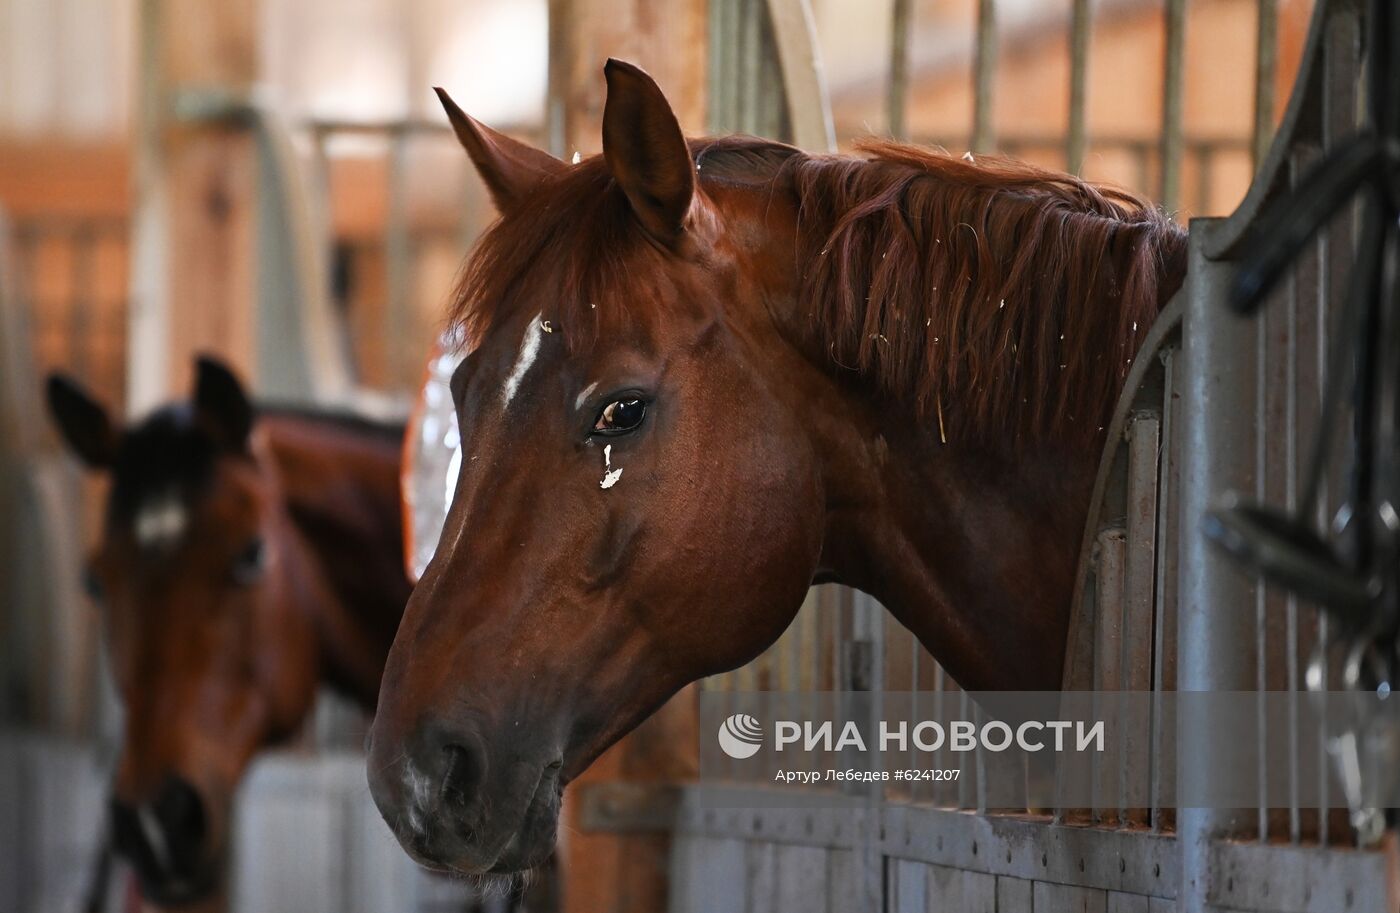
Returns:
(510, 168)
(82, 421)
(221, 405)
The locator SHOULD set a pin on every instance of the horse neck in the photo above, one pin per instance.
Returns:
(340, 489)
(973, 550)
(971, 539)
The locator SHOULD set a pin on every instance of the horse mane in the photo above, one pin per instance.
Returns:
(1000, 298)
(994, 297)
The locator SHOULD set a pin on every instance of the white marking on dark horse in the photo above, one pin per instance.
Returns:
(161, 520)
(529, 350)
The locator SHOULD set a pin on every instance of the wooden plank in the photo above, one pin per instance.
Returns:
(1271, 877)
(843, 881)
(761, 895)
(667, 38)
(195, 218)
(284, 856)
(951, 889)
(802, 874)
(708, 875)
(1014, 895)
(1059, 898)
(1118, 902)
(906, 883)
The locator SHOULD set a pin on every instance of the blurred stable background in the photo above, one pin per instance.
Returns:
(271, 180)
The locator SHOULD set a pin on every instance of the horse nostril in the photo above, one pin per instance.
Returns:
(464, 772)
(181, 811)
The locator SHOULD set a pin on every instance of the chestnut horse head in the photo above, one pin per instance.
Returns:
(705, 374)
(214, 609)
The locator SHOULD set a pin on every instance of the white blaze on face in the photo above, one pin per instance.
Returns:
(161, 520)
(529, 349)
(610, 475)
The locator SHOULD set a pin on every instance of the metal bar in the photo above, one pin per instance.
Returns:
(1261, 618)
(1164, 623)
(1215, 629)
(1173, 91)
(397, 250)
(1265, 69)
(1140, 585)
(1290, 671)
(750, 61)
(897, 98)
(1110, 560)
(1340, 83)
(804, 82)
(1080, 30)
(984, 78)
(1205, 178)
(82, 250)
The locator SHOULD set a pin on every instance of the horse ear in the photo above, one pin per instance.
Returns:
(82, 421)
(510, 168)
(646, 151)
(221, 405)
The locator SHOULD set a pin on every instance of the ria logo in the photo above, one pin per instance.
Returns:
(740, 736)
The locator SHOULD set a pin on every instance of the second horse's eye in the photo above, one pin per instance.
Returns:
(250, 563)
(620, 416)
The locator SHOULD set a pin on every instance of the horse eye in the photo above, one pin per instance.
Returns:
(250, 563)
(92, 585)
(620, 416)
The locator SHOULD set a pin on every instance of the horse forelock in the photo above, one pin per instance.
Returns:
(162, 466)
(996, 298)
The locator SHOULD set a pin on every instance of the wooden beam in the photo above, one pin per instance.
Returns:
(664, 37)
(194, 225)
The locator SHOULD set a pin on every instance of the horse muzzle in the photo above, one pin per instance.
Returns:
(454, 808)
(167, 840)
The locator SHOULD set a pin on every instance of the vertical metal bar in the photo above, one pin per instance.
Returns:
(750, 66)
(984, 78)
(560, 72)
(1164, 624)
(1110, 559)
(1080, 30)
(1341, 63)
(897, 97)
(1265, 67)
(1140, 586)
(396, 256)
(1261, 605)
(1205, 177)
(1173, 91)
(939, 688)
(1215, 630)
(82, 248)
(1291, 670)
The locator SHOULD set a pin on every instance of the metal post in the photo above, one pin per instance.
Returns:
(1081, 24)
(984, 78)
(897, 100)
(1216, 648)
(1173, 93)
(1265, 65)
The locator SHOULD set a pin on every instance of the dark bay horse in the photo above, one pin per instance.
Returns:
(708, 373)
(244, 559)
